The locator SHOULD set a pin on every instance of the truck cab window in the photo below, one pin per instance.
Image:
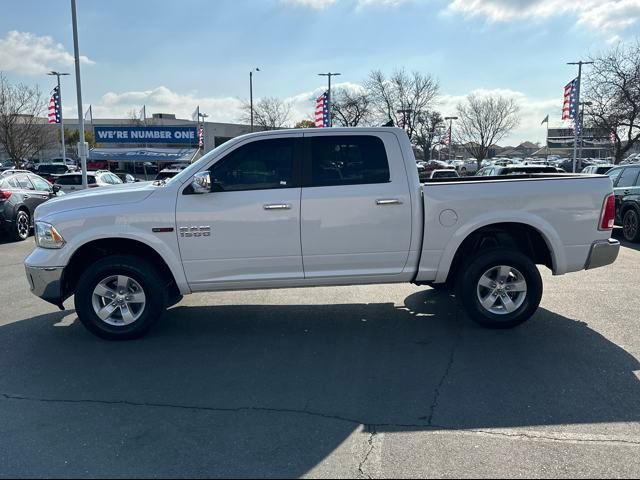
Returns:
(348, 160)
(260, 165)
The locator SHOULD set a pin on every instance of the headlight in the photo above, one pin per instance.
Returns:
(47, 236)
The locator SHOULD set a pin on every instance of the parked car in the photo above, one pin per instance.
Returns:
(466, 167)
(72, 182)
(126, 177)
(13, 171)
(70, 162)
(251, 213)
(20, 193)
(6, 165)
(498, 171)
(170, 172)
(50, 171)
(626, 188)
(446, 173)
(597, 169)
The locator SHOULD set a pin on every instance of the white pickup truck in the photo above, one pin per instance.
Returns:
(304, 208)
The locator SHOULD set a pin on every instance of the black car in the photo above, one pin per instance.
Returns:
(20, 194)
(49, 171)
(626, 187)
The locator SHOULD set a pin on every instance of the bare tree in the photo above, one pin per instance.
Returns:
(133, 117)
(484, 121)
(269, 113)
(412, 93)
(23, 131)
(351, 108)
(429, 132)
(613, 89)
(305, 124)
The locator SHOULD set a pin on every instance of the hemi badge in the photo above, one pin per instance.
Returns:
(163, 230)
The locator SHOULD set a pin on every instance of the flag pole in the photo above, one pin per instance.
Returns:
(577, 124)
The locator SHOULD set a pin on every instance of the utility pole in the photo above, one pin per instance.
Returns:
(64, 150)
(251, 93)
(581, 140)
(451, 119)
(577, 120)
(82, 150)
(329, 75)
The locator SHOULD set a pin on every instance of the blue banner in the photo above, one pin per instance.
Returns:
(142, 135)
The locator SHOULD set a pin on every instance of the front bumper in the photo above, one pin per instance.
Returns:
(46, 283)
(603, 252)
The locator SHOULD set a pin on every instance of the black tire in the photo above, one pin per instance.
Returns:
(21, 226)
(469, 291)
(142, 272)
(631, 226)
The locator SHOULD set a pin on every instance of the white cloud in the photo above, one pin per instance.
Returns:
(317, 4)
(29, 54)
(228, 109)
(532, 112)
(609, 17)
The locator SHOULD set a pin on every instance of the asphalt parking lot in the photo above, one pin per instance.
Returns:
(329, 382)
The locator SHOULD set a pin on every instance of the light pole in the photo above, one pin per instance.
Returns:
(251, 93)
(582, 104)
(329, 75)
(58, 75)
(451, 119)
(578, 121)
(82, 151)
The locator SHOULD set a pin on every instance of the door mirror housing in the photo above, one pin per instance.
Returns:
(201, 183)
(55, 188)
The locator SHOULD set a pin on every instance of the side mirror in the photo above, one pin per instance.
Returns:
(201, 183)
(55, 188)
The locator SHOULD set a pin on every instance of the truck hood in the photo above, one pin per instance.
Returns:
(96, 197)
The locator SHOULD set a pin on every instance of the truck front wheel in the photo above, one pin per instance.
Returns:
(120, 297)
(500, 288)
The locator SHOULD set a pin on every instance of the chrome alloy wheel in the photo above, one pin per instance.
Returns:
(502, 290)
(23, 225)
(119, 300)
(630, 225)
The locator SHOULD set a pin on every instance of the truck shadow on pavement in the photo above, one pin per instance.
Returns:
(273, 390)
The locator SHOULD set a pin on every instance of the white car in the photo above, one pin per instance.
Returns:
(254, 214)
(466, 167)
(445, 173)
(72, 182)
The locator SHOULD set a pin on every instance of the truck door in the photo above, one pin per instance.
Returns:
(627, 184)
(356, 206)
(248, 228)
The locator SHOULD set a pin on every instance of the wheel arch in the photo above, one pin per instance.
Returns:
(97, 249)
(524, 237)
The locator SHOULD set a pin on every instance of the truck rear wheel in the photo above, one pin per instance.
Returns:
(120, 297)
(500, 288)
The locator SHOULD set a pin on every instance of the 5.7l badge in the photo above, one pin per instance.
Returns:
(195, 232)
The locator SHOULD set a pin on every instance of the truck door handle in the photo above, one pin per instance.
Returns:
(278, 206)
(26, 195)
(626, 192)
(388, 201)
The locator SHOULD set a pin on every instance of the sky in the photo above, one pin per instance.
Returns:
(174, 55)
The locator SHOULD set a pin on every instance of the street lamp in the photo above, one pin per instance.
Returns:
(577, 120)
(251, 92)
(58, 75)
(329, 75)
(451, 119)
(82, 151)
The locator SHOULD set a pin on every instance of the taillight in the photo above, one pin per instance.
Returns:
(608, 216)
(4, 195)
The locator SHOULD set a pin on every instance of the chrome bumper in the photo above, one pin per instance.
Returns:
(603, 252)
(46, 283)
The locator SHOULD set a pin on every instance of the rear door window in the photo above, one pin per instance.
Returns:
(24, 182)
(348, 160)
(629, 177)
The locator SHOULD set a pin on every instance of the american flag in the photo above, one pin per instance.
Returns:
(55, 112)
(322, 111)
(570, 106)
